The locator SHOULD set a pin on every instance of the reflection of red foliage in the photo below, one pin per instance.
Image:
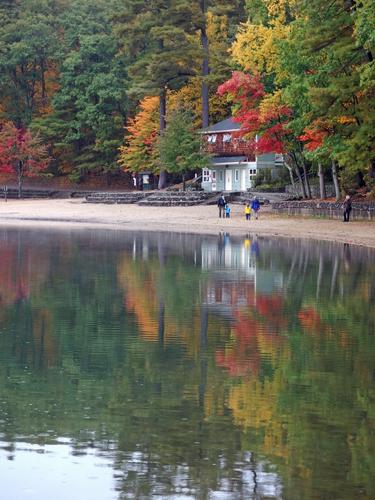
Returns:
(310, 319)
(251, 333)
(13, 277)
(246, 329)
(238, 362)
(244, 357)
(268, 306)
(272, 309)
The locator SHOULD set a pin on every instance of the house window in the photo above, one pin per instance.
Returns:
(252, 172)
(206, 175)
(236, 175)
(279, 158)
(221, 176)
(214, 175)
(227, 137)
(211, 139)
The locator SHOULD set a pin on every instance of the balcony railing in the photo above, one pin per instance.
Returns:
(234, 147)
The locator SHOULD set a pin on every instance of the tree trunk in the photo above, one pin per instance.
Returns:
(183, 183)
(306, 179)
(205, 68)
(372, 169)
(335, 180)
(302, 184)
(161, 323)
(320, 275)
(203, 358)
(298, 173)
(43, 81)
(322, 187)
(290, 170)
(162, 112)
(19, 177)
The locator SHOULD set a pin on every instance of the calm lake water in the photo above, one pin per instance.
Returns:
(176, 366)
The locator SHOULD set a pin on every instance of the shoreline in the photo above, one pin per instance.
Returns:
(198, 219)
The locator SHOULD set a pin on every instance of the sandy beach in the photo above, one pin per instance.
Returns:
(197, 219)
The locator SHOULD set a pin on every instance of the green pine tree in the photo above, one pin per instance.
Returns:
(180, 145)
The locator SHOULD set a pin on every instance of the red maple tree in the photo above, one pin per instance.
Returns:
(314, 135)
(264, 126)
(21, 153)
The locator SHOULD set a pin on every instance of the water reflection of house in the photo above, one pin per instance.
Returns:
(237, 277)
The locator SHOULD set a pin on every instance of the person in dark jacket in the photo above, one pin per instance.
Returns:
(255, 206)
(221, 204)
(347, 206)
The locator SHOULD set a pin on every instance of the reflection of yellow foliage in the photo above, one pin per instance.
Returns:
(346, 120)
(254, 404)
(269, 347)
(142, 298)
(214, 401)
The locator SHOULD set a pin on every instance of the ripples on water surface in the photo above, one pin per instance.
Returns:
(177, 366)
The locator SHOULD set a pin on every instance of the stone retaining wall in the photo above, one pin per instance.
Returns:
(330, 210)
(296, 191)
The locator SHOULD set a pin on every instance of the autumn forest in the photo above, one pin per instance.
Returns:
(90, 88)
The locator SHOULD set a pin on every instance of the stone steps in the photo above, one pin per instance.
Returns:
(151, 198)
(126, 197)
(43, 193)
(168, 203)
(176, 198)
(12, 193)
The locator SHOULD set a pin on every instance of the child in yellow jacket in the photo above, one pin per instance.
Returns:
(247, 211)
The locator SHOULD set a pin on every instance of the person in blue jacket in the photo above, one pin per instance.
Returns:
(255, 207)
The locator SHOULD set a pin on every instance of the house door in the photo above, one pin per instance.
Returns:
(243, 179)
(228, 179)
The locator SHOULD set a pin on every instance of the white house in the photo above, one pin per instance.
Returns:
(233, 166)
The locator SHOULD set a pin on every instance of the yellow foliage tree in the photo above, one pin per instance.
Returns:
(189, 98)
(257, 44)
(256, 47)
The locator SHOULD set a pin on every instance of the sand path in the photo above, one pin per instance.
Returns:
(196, 219)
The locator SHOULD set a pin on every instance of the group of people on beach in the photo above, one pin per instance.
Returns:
(251, 208)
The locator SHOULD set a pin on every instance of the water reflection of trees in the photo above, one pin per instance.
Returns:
(183, 351)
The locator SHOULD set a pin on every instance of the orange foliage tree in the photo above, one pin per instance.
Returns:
(139, 150)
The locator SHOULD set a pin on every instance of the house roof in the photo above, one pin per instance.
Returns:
(227, 160)
(227, 125)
